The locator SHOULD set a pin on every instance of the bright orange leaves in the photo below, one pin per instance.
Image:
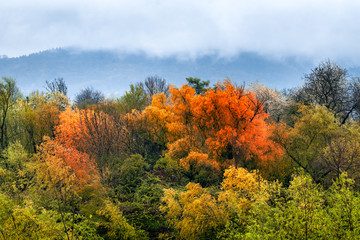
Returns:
(233, 122)
(226, 122)
(90, 131)
(71, 132)
(223, 126)
(65, 165)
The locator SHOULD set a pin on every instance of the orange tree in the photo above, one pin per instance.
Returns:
(224, 126)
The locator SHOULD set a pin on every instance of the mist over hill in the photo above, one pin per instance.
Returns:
(112, 72)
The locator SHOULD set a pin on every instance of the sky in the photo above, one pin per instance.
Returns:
(185, 28)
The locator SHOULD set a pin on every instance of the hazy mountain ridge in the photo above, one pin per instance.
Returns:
(112, 72)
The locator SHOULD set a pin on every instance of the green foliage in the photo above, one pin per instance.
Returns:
(15, 156)
(168, 169)
(131, 174)
(342, 153)
(26, 222)
(205, 174)
(143, 209)
(343, 209)
(119, 171)
(112, 224)
(302, 211)
(304, 143)
(38, 116)
(135, 99)
(16, 170)
(199, 85)
(8, 97)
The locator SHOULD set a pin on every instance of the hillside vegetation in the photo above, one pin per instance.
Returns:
(189, 162)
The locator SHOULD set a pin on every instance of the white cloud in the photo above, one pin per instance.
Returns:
(318, 29)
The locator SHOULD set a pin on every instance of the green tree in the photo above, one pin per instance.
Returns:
(344, 209)
(294, 213)
(200, 86)
(17, 171)
(342, 153)
(130, 175)
(304, 211)
(8, 96)
(135, 99)
(143, 209)
(304, 143)
(111, 224)
(168, 170)
(26, 221)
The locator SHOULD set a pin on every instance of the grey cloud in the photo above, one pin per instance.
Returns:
(185, 28)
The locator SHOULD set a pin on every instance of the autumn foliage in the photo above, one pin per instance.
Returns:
(90, 131)
(65, 163)
(225, 125)
(195, 162)
(70, 132)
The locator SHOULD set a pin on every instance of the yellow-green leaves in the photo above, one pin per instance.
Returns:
(195, 213)
(241, 189)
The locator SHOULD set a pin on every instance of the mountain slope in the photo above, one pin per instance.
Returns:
(112, 72)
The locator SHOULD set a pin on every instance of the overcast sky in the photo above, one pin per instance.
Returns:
(185, 28)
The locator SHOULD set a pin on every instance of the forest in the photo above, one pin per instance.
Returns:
(189, 162)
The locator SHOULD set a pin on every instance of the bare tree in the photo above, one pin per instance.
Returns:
(154, 85)
(342, 154)
(329, 85)
(273, 102)
(88, 96)
(354, 106)
(326, 85)
(56, 85)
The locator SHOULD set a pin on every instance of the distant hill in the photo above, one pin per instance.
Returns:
(112, 72)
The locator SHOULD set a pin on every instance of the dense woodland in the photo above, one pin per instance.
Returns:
(194, 162)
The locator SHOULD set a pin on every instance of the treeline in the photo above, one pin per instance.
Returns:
(195, 162)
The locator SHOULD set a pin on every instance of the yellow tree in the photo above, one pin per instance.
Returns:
(241, 189)
(197, 214)
(65, 177)
(39, 115)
